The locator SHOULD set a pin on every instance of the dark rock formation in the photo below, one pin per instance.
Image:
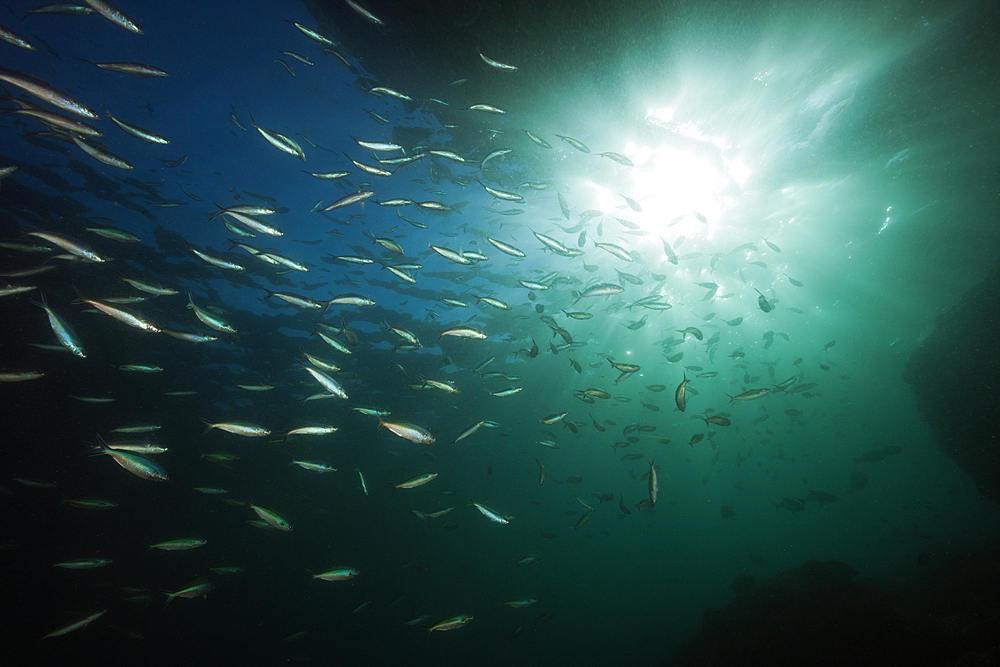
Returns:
(811, 615)
(947, 612)
(955, 375)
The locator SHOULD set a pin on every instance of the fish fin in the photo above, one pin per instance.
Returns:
(208, 423)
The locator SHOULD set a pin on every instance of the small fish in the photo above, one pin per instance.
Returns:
(498, 65)
(82, 623)
(763, 303)
(693, 331)
(618, 157)
(653, 486)
(518, 604)
(452, 623)
(63, 333)
(407, 431)
(245, 429)
(680, 395)
(751, 394)
(578, 145)
(183, 544)
(194, 591)
(490, 514)
(337, 574)
(414, 482)
(469, 431)
(135, 464)
(84, 563)
(272, 518)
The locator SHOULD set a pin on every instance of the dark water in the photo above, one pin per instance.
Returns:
(840, 161)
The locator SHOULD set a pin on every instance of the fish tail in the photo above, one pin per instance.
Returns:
(208, 423)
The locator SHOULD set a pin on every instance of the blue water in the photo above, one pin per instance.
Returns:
(840, 161)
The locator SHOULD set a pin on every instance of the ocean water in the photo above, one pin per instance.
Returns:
(787, 197)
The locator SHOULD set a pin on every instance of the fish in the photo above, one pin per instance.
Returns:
(414, 482)
(497, 65)
(791, 504)
(680, 395)
(505, 247)
(145, 135)
(618, 157)
(271, 518)
(763, 303)
(84, 563)
(196, 590)
(541, 472)
(245, 429)
(47, 93)
(490, 514)
(135, 464)
(750, 394)
(76, 625)
(616, 250)
(99, 153)
(63, 333)
(113, 14)
(364, 13)
(578, 145)
(336, 574)
(410, 432)
(347, 200)
(328, 383)
(451, 623)
(463, 332)
(488, 108)
(314, 466)
(694, 331)
(601, 289)
(632, 204)
(500, 194)
(469, 431)
(182, 544)
(653, 484)
(71, 246)
(671, 256)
